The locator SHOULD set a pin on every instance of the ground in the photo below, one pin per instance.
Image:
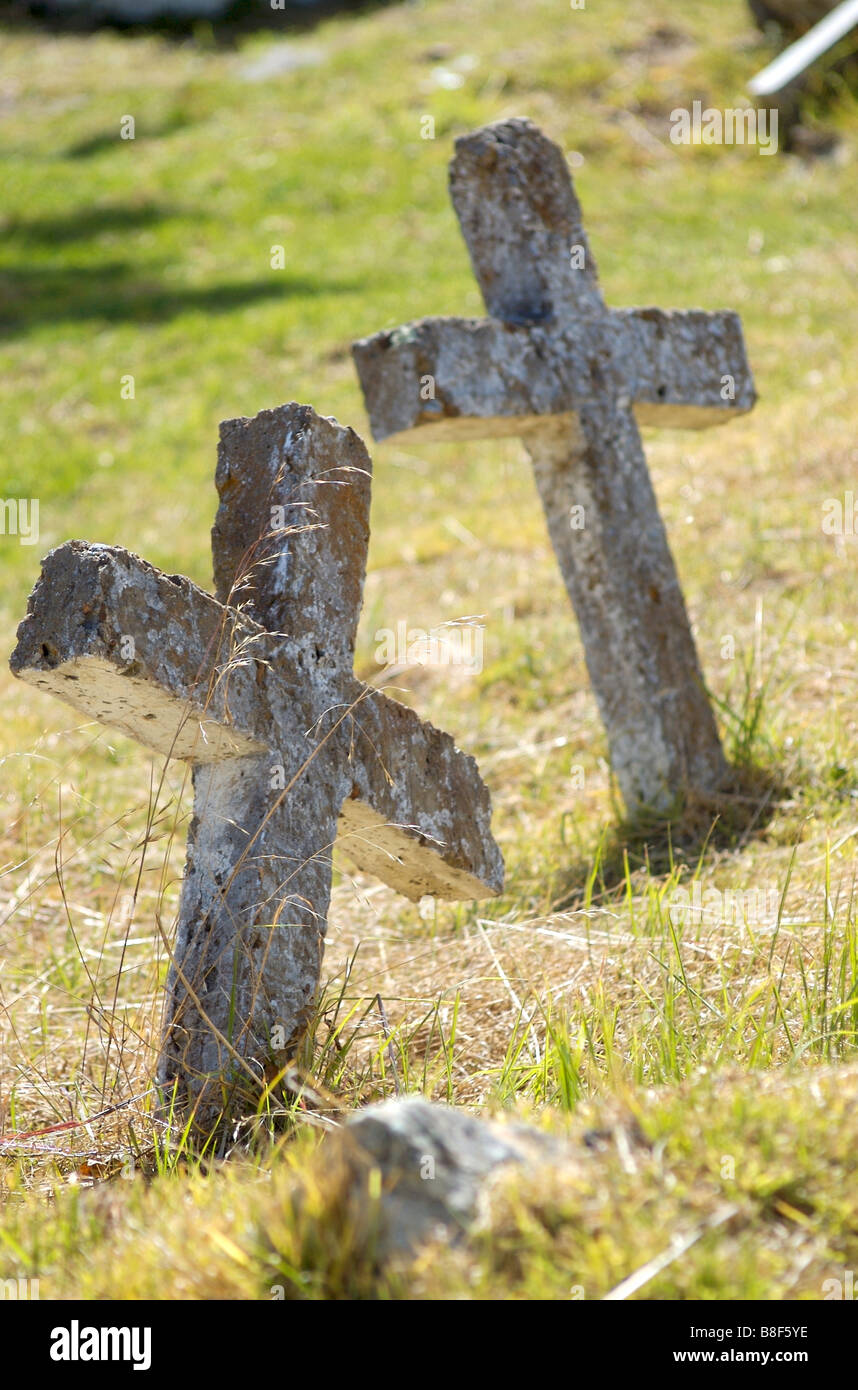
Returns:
(712, 1053)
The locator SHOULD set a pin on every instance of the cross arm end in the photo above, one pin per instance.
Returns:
(123, 643)
(689, 367)
(419, 814)
(458, 379)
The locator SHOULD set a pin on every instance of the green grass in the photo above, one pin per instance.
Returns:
(577, 996)
(726, 1188)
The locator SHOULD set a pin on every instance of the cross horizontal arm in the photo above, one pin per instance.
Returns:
(167, 664)
(418, 815)
(474, 378)
(134, 648)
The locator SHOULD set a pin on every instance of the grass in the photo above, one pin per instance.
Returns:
(583, 998)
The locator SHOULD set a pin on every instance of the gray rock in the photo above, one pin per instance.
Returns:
(435, 1164)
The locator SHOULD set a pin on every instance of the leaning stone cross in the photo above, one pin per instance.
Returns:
(576, 379)
(254, 688)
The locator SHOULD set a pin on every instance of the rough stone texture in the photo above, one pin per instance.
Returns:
(435, 1163)
(492, 378)
(575, 380)
(255, 689)
(89, 601)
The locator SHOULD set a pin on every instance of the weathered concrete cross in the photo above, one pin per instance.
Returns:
(576, 379)
(255, 689)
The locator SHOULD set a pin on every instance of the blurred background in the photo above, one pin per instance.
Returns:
(202, 206)
(201, 211)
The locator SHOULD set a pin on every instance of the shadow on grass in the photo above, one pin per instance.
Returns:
(86, 223)
(722, 822)
(116, 292)
(241, 17)
(104, 140)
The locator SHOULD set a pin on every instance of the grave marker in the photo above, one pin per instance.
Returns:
(575, 380)
(254, 687)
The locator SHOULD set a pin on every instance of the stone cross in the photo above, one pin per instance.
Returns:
(254, 688)
(576, 379)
